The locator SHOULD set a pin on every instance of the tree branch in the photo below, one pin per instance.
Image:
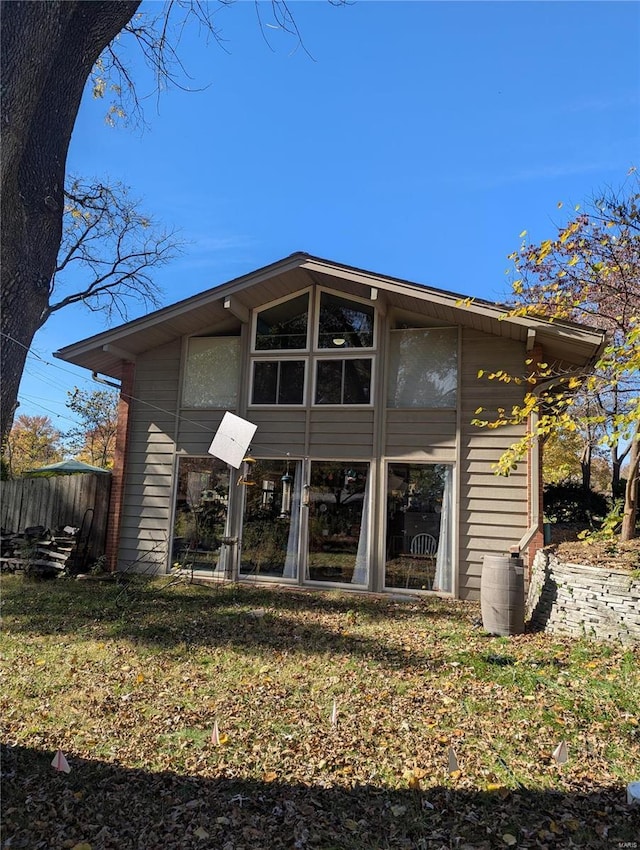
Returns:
(108, 250)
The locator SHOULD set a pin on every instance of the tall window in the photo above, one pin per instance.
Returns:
(344, 323)
(338, 522)
(283, 327)
(202, 500)
(419, 527)
(423, 368)
(271, 523)
(212, 372)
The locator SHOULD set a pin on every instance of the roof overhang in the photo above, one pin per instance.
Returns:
(224, 306)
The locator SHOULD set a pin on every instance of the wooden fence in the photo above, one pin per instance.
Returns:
(81, 501)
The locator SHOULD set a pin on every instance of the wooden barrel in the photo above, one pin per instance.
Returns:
(502, 595)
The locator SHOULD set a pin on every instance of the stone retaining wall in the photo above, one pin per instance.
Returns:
(579, 600)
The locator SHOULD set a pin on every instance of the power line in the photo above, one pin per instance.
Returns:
(38, 404)
(172, 413)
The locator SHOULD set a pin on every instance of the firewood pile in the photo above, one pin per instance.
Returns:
(38, 551)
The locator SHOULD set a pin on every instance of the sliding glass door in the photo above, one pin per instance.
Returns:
(269, 544)
(200, 519)
(338, 523)
(419, 526)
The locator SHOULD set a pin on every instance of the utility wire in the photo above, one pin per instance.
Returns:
(172, 413)
(38, 404)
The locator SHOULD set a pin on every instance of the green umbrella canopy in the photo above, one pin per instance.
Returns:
(68, 467)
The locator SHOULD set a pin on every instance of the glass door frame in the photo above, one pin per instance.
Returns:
(368, 510)
(288, 464)
(453, 530)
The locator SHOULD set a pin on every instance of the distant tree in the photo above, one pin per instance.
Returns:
(50, 50)
(32, 442)
(94, 440)
(561, 458)
(589, 273)
(571, 456)
(601, 476)
(564, 462)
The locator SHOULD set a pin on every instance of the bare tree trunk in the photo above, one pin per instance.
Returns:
(628, 531)
(616, 466)
(585, 466)
(48, 51)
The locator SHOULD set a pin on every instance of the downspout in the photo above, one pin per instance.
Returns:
(95, 377)
(535, 351)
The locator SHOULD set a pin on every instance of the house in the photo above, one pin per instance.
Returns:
(365, 470)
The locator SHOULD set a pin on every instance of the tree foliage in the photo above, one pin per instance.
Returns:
(50, 51)
(33, 442)
(589, 273)
(561, 460)
(94, 440)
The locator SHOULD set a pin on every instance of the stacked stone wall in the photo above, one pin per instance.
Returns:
(581, 600)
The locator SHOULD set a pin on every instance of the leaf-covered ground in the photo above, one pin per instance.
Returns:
(608, 554)
(343, 722)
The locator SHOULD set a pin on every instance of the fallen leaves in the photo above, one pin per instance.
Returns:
(413, 724)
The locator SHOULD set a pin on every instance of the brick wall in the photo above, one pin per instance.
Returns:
(119, 468)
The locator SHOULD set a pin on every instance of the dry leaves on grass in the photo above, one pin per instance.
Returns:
(607, 554)
(341, 722)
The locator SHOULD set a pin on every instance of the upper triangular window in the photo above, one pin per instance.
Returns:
(284, 326)
(344, 323)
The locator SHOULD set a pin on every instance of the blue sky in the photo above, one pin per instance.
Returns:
(419, 140)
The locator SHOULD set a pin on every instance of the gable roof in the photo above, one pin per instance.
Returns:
(211, 310)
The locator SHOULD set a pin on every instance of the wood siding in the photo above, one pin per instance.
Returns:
(196, 430)
(148, 496)
(422, 436)
(493, 510)
(346, 433)
(279, 432)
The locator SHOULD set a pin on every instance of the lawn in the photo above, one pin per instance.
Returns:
(343, 722)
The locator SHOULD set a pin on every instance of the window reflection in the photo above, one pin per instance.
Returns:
(410, 384)
(419, 516)
(202, 502)
(271, 524)
(345, 381)
(278, 382)
(212, 372)
(338, 523)
(284, 326)
(344, 323)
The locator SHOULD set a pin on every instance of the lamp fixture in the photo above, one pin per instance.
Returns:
(338, 340)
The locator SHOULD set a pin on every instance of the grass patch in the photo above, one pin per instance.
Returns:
(129, 681)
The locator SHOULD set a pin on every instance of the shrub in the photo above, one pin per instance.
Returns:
(571, 503)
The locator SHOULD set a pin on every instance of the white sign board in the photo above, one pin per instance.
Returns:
(232, 439)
